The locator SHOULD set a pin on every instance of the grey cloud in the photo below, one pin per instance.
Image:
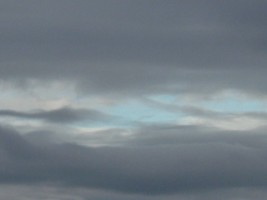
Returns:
(17, 192)
(207, 113)
(173, 135)
(143, 170)
(122, 48)
(148, 47)
(102, 137)
(60, 115)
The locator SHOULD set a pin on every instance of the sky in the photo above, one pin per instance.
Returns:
(133, 99)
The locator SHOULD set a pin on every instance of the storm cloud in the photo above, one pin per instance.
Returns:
(136, 46)
(199, 165)
(132, 99)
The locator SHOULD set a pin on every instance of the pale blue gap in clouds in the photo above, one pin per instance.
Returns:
(229, 104)
(135, 111)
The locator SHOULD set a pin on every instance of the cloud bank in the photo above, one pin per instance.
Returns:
(194, 164)
(125, 99)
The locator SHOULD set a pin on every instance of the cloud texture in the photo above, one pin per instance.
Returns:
(193, 164)
(132, 99)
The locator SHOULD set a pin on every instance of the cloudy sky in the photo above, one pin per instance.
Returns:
(133, 99)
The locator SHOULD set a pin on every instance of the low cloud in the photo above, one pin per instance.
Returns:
(104, 54)
(61, 115)
(188, 166)
(137, 47)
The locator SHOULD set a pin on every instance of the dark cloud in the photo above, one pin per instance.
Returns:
(204, 165)
(173, 135)
(136, 46)
(124, 48)
(43, 192)
(207, 113)
(60, 115)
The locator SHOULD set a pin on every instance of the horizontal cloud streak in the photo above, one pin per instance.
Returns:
(61, 115)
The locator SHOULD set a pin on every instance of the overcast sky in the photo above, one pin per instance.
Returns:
(133, 99)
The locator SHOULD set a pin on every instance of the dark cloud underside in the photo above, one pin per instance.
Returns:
(149, 170)
(67, 68)
(61, 115)
(136, 46)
